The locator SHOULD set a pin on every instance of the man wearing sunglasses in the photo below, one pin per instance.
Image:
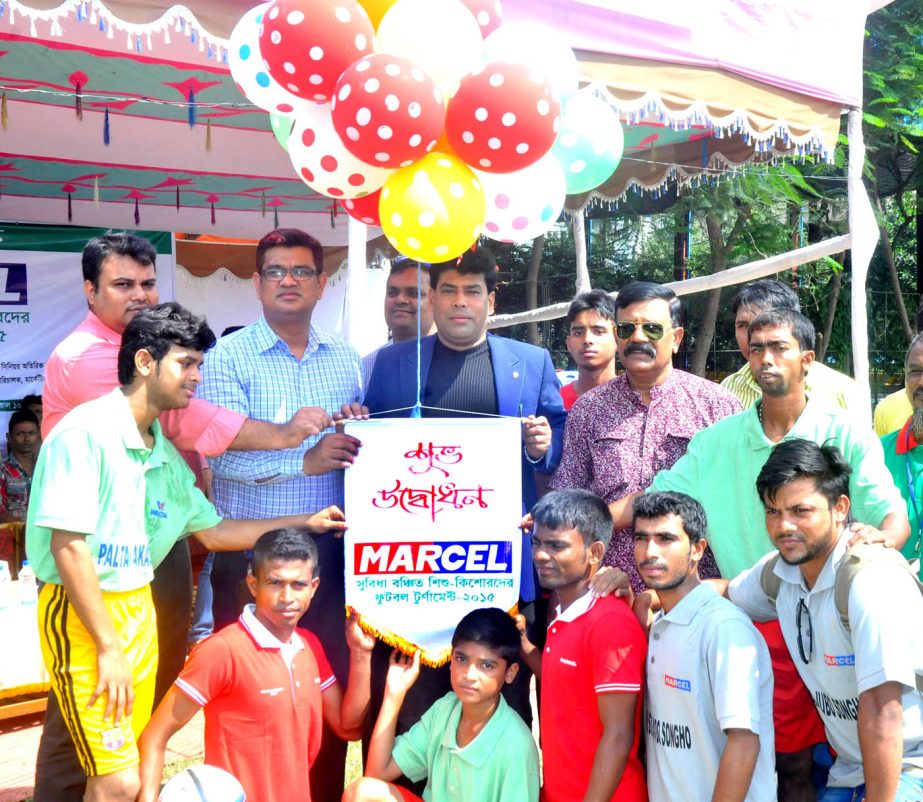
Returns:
(862, 677)
(619, 435)
(266, 370)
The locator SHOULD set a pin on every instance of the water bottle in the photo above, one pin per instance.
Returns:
(28, 588)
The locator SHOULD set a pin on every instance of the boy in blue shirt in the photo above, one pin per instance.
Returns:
(470, 745)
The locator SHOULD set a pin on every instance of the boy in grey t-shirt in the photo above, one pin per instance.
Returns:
(708, 699)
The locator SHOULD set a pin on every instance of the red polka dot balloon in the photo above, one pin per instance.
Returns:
(364, 209)
(387, 111)
(503, 117)
(306, 44)
(488, 13)
(323, 163)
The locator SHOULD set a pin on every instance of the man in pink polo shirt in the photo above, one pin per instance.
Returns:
(119, 281)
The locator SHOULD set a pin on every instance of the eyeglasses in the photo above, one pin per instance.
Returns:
(653, 331)
(804, 613)
(300, 273)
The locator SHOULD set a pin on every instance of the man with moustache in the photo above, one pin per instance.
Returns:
(266, 370)
(406, 297)
(708, 697)
(864, 672)
(619, 435)
(904, 452)
(16, 470)
(465, 372)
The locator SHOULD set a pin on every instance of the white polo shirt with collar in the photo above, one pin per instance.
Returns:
(708, 671)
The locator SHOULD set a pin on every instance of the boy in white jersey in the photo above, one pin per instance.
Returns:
(862, 677)
(708, 698)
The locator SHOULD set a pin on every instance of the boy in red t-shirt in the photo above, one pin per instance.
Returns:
(592, 666)
(590, 327)
(266, 685)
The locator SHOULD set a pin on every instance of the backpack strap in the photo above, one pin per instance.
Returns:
(769, 581)
(855, 559)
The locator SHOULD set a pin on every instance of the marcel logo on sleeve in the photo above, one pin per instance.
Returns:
(158, 510)
(840, 660)
(677, 683)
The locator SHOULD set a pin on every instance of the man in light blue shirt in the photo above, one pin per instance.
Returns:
(267, 370)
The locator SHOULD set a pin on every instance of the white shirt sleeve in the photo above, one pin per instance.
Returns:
(734, 652)
(885, 611)
(746, 591)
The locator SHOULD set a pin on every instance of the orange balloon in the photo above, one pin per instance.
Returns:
(443, 146)
(376, 9)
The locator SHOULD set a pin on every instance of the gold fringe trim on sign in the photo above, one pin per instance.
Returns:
(427, 658)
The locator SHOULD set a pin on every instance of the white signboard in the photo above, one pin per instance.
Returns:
(41, 300)
(433, 507)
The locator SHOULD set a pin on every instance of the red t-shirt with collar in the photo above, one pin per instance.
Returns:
(262, 721)
(595, 646)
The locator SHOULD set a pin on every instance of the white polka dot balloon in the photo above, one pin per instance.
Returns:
(323, 162)
(488, 13)
(502, 118)
(249, 72)
(307, 44)
(524, 204)
(387, 111)
(441, 36)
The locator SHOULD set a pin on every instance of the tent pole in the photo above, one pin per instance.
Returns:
(583, 272)
(357, 235)
(864, 231)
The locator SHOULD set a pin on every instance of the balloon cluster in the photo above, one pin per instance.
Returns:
(430, 118)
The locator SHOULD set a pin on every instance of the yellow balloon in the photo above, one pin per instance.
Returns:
(433, 209)
(376, 9)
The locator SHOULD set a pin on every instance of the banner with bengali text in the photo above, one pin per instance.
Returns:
(433, 507)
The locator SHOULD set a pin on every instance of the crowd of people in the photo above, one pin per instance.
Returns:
(713, 599)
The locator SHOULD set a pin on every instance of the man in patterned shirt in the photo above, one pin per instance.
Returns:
(619, 435)
(266, 371)
(16, 471)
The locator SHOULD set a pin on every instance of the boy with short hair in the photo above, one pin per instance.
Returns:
(592, 666)
(590, 327)
(266, 685)
(470, 744)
